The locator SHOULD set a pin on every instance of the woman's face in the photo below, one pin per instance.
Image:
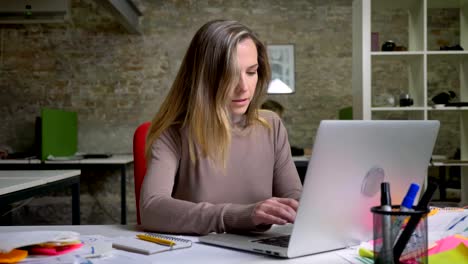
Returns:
(245, 89)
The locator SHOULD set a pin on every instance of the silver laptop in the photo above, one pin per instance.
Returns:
(349, 161)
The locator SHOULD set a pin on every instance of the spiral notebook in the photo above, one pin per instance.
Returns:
(134, 244)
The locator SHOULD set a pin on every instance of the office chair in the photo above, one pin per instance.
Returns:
(139, 166)
(345, 113)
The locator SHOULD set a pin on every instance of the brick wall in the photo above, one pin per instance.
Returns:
(115, 80)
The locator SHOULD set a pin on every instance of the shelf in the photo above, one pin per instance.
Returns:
(397, 53)
(419, 108)
(409, 108)
(449, 108)
(449, 163)
(422, 72)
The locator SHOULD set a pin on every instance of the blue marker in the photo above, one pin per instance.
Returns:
(406, 205)
(408, 201)
(406, 234)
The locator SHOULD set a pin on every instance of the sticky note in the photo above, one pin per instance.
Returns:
(456, 255)
(366, 253)
(448, 243)
(13, 256)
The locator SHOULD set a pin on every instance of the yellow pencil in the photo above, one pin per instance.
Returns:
(157, 240)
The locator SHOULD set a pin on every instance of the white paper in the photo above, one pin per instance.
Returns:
(12, 240)
(95, 246)
(447, 223)
(62, 259)
(352, 255)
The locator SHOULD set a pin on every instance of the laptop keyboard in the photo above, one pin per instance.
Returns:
(279, 241)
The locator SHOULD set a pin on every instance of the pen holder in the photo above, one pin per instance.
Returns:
(400, 237)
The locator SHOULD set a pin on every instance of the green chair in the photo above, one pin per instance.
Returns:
(345, 113)
(59, 133)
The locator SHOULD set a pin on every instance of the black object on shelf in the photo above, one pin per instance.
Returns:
(454, 47)
(406, 100)
(389, 45)
(443, 97)
(457, 104)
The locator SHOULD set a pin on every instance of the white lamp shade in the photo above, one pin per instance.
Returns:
(276, 86)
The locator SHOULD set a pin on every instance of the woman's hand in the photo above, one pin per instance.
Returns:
(275, 211)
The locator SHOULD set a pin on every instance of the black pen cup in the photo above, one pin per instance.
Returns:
(400, 237)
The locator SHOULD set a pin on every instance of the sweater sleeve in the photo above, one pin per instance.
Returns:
(286, 181)
(161, 212)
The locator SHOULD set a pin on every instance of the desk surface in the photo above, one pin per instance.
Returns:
(15, 180)
(198, 253)
(20, 161)
(120, 161)
(114, 159)
(301, 158)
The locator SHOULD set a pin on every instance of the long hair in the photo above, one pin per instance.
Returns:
(200, 94)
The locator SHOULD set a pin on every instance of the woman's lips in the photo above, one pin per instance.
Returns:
(240, 102)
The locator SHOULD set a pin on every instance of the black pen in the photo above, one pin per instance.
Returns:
(413, 222)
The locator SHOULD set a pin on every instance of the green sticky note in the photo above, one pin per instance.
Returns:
(456, 255)
(366, 253)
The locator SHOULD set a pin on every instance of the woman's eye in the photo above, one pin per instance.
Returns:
(252, 73)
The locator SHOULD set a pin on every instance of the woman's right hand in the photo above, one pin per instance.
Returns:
(275, 211)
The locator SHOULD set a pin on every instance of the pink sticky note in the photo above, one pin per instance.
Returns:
(52, 251)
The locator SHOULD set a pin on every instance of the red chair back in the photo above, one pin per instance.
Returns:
(139, 159)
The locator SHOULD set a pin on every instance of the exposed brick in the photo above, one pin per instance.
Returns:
(115, 81)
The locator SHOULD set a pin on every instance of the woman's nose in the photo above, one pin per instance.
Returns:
(242, 85)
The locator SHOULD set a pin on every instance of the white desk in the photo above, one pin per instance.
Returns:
(115, 161)
(198, 253)
(302, 162)
(20, 161)
(463, 179)
(119, 161)
(16, 185)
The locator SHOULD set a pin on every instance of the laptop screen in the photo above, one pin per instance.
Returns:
(349, 160)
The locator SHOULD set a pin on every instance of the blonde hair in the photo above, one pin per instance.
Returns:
(199, 96)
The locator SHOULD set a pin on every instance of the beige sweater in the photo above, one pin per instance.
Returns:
(178, 197)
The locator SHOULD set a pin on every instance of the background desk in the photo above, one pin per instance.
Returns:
(198, 253)
(13, 162)
(443, 168)
(116, 161)
(301, 163)
(17, 185)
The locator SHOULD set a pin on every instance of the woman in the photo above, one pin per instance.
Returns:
(216, 163)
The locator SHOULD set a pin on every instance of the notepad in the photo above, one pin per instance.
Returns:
(137, 245)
